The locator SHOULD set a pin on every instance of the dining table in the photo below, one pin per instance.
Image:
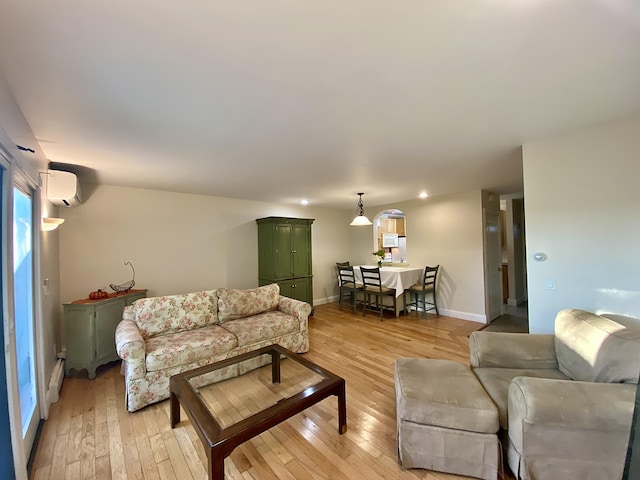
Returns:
(398, 278)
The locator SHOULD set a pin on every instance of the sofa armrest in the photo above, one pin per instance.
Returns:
(298, 309)
(128, 313)
(570, 426)
(131, 348)
(512, 350)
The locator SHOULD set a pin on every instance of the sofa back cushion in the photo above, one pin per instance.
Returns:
(593, 348)
(234, 304)
(175, 313)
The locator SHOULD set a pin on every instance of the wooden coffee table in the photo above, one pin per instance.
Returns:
(228, 413)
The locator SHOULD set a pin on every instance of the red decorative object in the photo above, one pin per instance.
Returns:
(98, 295)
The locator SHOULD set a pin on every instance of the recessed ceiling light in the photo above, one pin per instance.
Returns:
(304, 201)
(424, 195)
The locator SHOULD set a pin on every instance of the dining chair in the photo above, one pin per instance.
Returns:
(347, 284)
(420, 290)
(373, 286)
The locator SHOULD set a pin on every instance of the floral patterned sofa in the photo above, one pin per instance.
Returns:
(162, 336)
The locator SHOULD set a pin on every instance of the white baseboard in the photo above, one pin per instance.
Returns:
(322, 301)
(472, 317)
(55, 384)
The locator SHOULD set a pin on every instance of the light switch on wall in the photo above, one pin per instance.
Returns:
(550, 284)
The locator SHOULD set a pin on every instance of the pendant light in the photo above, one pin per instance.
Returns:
(360, 219)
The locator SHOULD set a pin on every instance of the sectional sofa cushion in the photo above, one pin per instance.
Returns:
(592, 348)
(443, 393)
(496, 383)
(263, 326)
(175, 313)
(233, 304)
(182, 348)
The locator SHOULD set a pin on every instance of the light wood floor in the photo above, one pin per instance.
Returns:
(90, 435)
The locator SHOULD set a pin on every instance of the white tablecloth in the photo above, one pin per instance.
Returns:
(394, 277)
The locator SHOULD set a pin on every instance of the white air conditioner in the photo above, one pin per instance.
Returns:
(63, 188)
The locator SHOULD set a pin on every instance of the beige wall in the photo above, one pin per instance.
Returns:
(181, 242)
(444, 230)
(581, 204)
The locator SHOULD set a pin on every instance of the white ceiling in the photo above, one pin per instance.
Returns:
(282, 100)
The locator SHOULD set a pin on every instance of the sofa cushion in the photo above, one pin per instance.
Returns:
(264, 326)
(180, 348)
(175, 313)
(495, 382)
(234, 304)
(593, 348)
(442, 393)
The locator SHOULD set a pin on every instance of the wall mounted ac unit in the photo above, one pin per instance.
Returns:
(63, 188)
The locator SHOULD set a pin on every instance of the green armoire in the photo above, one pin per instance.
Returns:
(284, 256)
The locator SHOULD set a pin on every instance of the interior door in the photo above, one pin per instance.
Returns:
(492, 265)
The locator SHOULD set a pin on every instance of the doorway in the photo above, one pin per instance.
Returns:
(514, 256)
(390, 234)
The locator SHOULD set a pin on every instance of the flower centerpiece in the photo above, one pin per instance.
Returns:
(379, 256)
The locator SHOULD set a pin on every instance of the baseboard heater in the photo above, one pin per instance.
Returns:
(56, 381)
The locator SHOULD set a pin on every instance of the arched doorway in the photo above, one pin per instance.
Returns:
(390, 234)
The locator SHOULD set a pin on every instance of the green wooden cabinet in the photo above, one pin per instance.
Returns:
(298, 288)
(90, 327)
(284, 256)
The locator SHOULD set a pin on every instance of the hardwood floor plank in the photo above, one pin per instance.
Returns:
(178, 462)
(74, 449)
(143, 444)
(159, 450)
(59, 462)
(42, 473)
(72, 471)
(90, 435)
(197, 468)
(88, 457)
(166, 470)
(101, 444)
(44, 453)
(103, 468)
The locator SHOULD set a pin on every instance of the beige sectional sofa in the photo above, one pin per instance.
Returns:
(162, 336)
(565, 401)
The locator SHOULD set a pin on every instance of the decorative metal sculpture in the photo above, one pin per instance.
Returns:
(125, 287)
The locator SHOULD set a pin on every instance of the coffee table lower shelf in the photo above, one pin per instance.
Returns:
(219, 442)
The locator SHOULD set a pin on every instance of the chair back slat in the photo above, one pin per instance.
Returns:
(430, 276)
(346, 275)
(371, 278)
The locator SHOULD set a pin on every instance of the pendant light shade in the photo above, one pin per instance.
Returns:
(360, 219)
